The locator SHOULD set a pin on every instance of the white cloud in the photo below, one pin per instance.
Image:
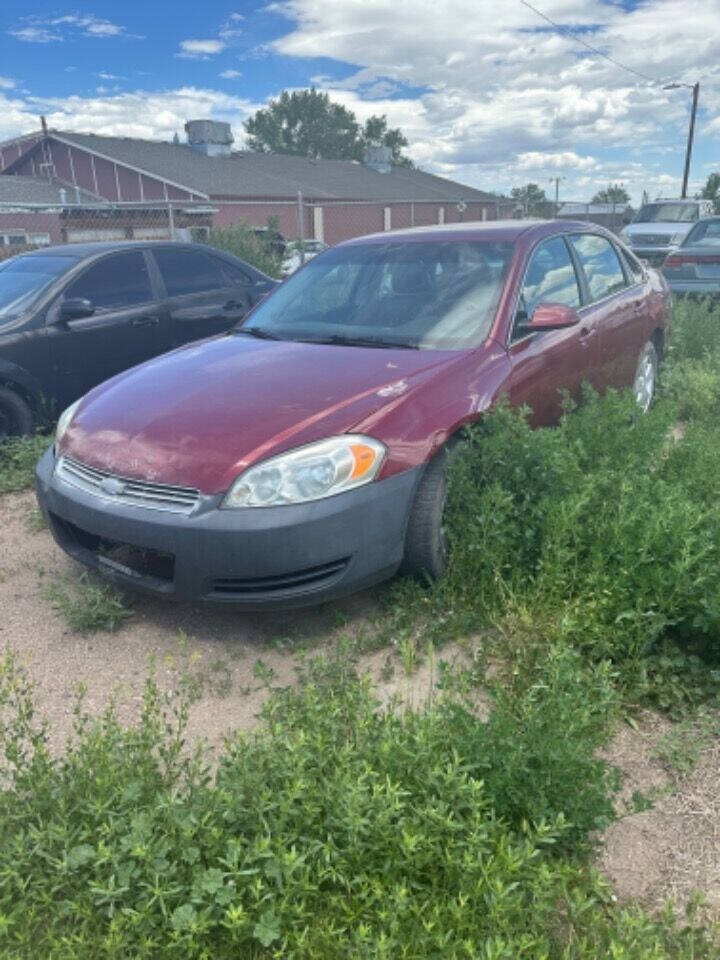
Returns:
(6, 83)
(230, 74)
(57, 29)
(502, 94)
(200, 49)
(36, 35)
(145, 114)
(536, 160)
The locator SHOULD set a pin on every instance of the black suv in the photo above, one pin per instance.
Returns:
(72, 316)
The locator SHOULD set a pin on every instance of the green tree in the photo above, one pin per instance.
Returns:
(375, 133)
(615, 193)
(307, 123)
(533, 200)
(711, 190)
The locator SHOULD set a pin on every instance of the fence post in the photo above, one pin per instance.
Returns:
(301, 226)
(171, 221)
(412, 213)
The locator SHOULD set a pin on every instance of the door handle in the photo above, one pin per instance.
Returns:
(233, 305)
(586, 334)
(146, 321)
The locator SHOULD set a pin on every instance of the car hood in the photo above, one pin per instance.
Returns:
(202, 414)
(660, 228)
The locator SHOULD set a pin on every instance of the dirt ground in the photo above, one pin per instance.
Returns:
(670, 850)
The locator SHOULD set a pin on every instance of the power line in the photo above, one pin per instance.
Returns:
(574, 36)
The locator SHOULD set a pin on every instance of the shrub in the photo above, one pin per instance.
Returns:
(337, 831)
(241, 240)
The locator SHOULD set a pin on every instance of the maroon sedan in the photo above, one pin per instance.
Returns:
(302, 456)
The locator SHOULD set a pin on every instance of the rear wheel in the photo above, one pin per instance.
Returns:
(16, 417)
(426, 540)
(646, 376)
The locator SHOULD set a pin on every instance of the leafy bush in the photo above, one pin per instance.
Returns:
(18, 457)
(605, 530)
(338, 831)
(241, 240)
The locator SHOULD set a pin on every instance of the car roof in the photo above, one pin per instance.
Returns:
(82, 250)
(499, 230)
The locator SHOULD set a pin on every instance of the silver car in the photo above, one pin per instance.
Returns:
(662, 226)
(694, 268)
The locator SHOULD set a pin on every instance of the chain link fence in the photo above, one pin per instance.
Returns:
(305, 226)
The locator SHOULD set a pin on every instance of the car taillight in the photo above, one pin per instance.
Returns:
(681, 259)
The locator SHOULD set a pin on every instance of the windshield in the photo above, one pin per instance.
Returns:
(23, 279)
(707, 232)
(439, 295)
(667, 212)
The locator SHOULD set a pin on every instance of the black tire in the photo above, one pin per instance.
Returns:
(425, 541)
(16, 418)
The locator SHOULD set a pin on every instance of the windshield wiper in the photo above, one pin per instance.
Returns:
(360, 342)
(258, 332)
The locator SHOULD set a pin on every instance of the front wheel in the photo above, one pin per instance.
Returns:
(646, 377)
(425, 540)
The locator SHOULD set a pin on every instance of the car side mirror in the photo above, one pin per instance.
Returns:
(76, 308)
(552, 316)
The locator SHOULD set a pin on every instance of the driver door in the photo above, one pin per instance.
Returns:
(546, 364)
(124, 329)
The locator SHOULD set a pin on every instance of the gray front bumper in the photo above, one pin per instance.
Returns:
(257, 558)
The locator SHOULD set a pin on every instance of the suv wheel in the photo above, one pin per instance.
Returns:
(16, 417)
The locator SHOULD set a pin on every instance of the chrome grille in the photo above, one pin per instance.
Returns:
(654, 239)
(136, 493)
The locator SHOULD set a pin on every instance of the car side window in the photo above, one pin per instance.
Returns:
(189, 271)
(121, 280)
(550, 278)
(235, 275)
(601, 265)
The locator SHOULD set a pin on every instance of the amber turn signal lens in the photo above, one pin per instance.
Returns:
(364, 457)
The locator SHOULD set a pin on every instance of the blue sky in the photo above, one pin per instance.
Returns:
(487, 93)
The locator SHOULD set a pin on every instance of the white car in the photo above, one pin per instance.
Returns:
(662, 226)
(293, 258)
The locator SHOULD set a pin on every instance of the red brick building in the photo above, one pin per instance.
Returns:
(341, 199)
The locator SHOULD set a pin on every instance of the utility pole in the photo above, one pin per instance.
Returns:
(691, 132)
(556, 181)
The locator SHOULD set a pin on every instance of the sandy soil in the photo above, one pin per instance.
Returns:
(231, 655)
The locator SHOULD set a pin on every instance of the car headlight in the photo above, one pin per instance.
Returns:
(625, 236)
(65, 419)
(312, 472)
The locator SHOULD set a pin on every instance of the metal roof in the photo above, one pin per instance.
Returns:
(34, 190)
(273, 176)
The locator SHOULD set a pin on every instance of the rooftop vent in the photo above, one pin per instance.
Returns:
(210, 137)
(378, 158)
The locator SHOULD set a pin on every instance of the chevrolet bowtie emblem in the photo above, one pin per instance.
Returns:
(112, 486)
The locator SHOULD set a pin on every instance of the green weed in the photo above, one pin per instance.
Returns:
(88, 606)
(337, 831)
(18, 457)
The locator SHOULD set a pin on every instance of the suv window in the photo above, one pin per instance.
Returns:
(189, 271)
(121, 280)
(550, 277)
(601, 264)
